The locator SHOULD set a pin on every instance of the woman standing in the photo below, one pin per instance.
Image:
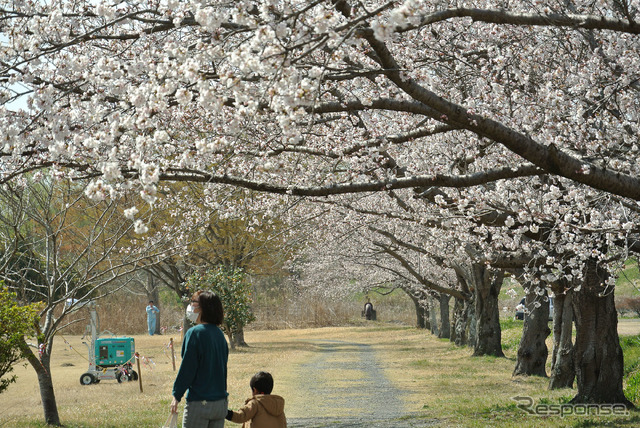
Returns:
(203, 371)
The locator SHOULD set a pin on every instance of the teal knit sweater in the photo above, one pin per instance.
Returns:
(203, 370)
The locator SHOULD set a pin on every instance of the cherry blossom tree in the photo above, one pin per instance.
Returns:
(531, 106)
(380, 242)
(235, 93)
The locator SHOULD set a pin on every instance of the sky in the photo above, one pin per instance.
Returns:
(21, 103)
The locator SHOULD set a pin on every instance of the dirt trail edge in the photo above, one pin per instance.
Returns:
(344, 385)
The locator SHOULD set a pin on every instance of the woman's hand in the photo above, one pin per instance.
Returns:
(174, 405)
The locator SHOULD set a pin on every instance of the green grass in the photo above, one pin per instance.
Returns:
(632, 386)
(628, 280)
(509, 323)
(421, 363)
(446, 386)
(631, 352)
(560, 400)
(511, 334)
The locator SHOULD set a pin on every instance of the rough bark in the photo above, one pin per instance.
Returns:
(472, 324)
(42, 366)
(464, 311)
(598, 355)
(445, 325)
(433, 318)
(238, 338)
(458, 305)
(562, 369)
(463, 332)
(532, 351)
(422, 315)
(488, 283)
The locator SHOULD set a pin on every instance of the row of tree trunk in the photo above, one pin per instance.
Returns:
(594, 360)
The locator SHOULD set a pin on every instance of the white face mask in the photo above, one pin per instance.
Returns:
(191, 315)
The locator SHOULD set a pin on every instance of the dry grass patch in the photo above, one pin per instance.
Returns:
(438, 381)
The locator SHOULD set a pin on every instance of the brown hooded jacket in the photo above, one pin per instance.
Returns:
(262, 411)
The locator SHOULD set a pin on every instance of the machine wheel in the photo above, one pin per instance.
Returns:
(87, 379)
(133, 375)
(122, 377)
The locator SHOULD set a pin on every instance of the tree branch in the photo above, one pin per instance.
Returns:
(547, 157)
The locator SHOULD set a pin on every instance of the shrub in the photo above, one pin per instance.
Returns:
(16, 322)
(231, 285)
(629, 304)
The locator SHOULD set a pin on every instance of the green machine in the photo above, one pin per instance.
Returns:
(114, 351)
(109, 357)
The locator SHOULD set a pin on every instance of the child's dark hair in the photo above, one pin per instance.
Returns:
(262, 382)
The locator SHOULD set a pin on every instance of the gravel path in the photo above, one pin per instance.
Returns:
(344, 385)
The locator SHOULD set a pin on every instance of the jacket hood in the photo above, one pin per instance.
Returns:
(273, 404)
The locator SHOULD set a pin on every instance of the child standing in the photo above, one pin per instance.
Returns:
(262, 410)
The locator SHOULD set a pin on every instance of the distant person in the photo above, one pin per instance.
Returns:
(203, 371)
(368, 309)
(520, 309)
(152, 311)
(262, 410)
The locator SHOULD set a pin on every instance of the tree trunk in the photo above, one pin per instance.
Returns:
(562, 369)
(598, 355)
(421, 313)
(463, 328)
(488, 283)
(232, 342)
(426, 315)
(464, 311)
(532, 351)
(43, 371)
(445, 325)
(238, 338)
(433, 315)
(457, 309)
(472, 324)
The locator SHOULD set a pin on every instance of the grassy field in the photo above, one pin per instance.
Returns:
(443, 385)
